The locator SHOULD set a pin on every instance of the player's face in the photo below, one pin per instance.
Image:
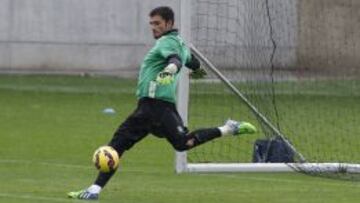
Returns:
(159, 26)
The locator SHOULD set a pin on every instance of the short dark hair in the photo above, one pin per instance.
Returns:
(165, 12)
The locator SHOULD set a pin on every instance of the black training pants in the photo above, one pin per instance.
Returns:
(161, 119)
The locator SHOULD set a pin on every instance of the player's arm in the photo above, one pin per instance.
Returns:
(173, 66)
(174, 63)
(195, 65)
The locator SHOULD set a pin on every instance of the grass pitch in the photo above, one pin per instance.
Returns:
(50, 126)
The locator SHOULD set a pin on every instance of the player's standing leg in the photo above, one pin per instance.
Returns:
(135, 128)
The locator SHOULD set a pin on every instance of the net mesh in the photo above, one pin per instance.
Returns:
(297, 61)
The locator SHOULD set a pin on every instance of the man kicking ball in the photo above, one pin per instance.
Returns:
(156, 112)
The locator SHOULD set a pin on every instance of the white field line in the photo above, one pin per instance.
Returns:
(62, 165)
(263, 179)
(36, 198)
(59, 165)
(95, 90)
(66, 89)
(40, 198)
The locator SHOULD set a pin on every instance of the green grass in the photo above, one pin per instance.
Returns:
(50, 126)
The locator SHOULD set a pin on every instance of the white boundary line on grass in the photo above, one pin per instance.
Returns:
(64, 89)
(339, 184)
(231, 176)
(39, 198)
(17, 161)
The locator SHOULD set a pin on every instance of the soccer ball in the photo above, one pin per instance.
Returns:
(106, 159)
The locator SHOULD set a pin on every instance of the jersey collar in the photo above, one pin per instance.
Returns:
(172, 31)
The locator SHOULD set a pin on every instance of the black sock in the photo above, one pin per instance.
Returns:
(103, 178)
(204, 135)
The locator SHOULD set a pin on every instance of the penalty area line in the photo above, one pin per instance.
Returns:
(62, 165)
(37, 198)
(291, 181)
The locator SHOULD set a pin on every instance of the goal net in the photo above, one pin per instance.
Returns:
(295, 64)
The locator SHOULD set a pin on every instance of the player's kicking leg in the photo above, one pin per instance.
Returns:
(235, 128)
(179, 137)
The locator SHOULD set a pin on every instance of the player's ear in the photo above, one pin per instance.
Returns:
(170, 24)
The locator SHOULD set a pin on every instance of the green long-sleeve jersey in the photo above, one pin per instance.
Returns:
(155, 61)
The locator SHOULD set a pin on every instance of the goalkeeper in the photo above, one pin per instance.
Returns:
(156, 111)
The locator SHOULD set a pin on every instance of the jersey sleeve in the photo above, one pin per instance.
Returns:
(193, 63)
